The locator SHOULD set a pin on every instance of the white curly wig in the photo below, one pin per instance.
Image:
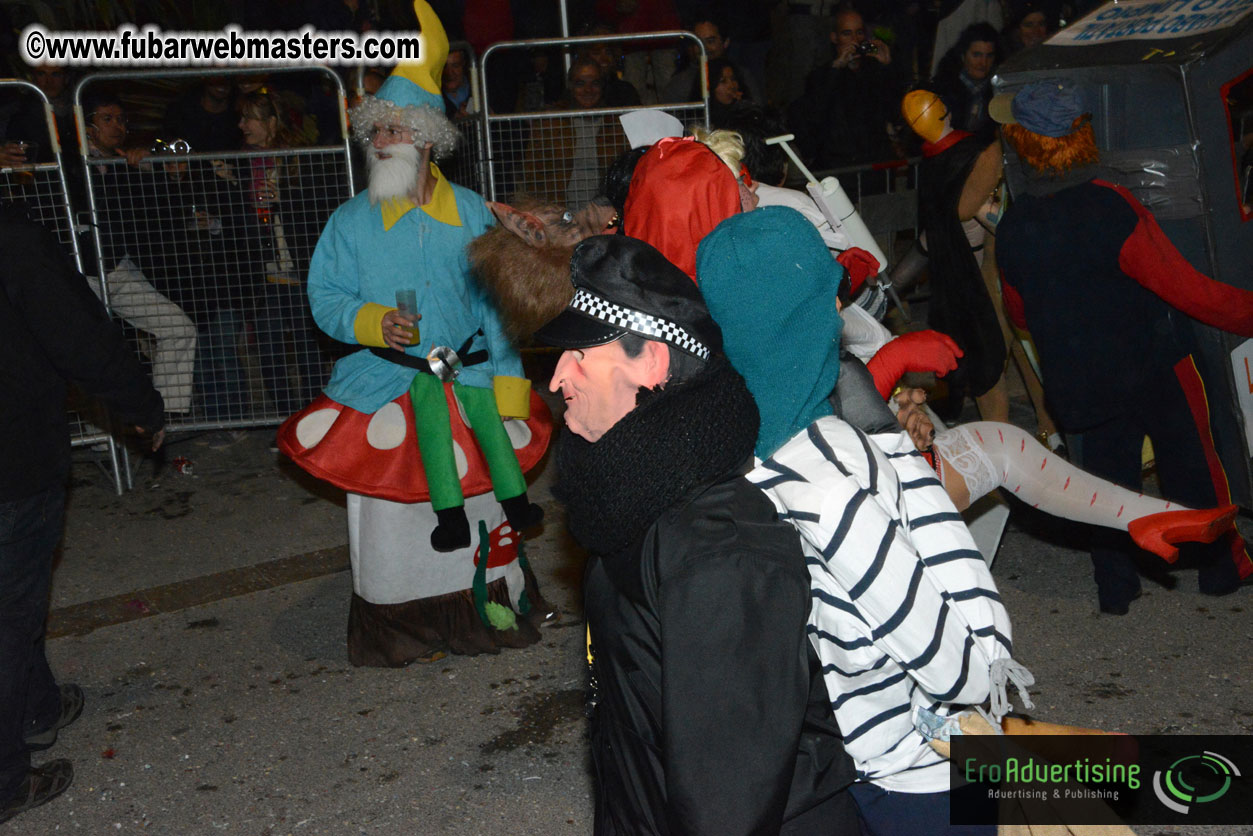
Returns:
(427, 123)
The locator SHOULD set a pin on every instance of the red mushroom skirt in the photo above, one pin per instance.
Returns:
(409, 601)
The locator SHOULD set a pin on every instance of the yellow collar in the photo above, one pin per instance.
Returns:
(442, 206)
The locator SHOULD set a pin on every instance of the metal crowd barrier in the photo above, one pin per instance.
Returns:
(41, 186)
(468, 165)
(561, 155)
(205, 255)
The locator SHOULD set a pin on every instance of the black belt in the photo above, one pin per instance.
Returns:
(473, 358)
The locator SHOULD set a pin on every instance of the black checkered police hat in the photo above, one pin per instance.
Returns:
(622, 285)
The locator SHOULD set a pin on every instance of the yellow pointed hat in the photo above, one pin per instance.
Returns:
(411, 94)
(417, 83)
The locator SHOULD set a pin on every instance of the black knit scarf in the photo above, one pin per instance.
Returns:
(677, 439)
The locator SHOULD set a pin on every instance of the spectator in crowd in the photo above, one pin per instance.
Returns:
(25, 136)
(566, 159)
(205, 117)
(709, 715)
(799, 48)
(964, 79)
(455, 83)
(687, 80)
(310, 102)
(649, 66)
(747, 31)
(846, 114)
(124, 190)
(726, 89)
(52, 332)
(286, 213)
(607, 56)
(954, 22)
(541, 85)
(1029, 27)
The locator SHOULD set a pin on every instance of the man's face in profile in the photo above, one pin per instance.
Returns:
(107, 128)
(599, 385)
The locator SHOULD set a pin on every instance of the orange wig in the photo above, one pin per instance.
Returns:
(1052, 155)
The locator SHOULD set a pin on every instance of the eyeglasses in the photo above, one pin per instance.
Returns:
(389, 132)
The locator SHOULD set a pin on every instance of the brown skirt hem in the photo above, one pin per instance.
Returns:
(393, 635)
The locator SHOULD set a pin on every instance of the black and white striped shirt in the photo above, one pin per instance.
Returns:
(904, 613)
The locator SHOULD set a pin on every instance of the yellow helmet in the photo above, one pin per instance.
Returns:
(925, 113)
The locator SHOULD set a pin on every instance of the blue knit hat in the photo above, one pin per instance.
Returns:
(770, 283)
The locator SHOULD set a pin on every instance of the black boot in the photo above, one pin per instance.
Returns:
(522, 513)
(453, 530)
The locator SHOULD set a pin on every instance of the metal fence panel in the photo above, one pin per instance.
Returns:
(205, 256)
(468, 165)
(560, 156)
(42, 188)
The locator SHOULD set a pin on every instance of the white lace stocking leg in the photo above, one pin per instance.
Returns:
(991, 455)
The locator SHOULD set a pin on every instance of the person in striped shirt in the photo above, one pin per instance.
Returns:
(905, 616)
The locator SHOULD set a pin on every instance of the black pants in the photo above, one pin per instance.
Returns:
(29, 699)
(1172, 411)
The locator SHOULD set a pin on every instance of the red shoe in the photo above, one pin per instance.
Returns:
(1157, 532)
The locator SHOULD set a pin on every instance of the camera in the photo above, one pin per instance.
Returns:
(867, 48)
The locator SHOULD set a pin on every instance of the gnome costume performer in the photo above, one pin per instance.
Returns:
(411, 425)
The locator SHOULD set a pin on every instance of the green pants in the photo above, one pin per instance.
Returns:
(434, 431)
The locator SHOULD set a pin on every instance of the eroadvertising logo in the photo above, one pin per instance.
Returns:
(1101, 779)
(1194, 779)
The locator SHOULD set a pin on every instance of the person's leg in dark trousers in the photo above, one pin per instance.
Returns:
(886, 813)
(1112, 451)
(29, 698)
(1189, 469)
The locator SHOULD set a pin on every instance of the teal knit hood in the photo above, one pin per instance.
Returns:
(771, 283)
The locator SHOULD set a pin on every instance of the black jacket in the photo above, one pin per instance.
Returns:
(54, 330)
(714, 606)
(841, 119)
(710, 712)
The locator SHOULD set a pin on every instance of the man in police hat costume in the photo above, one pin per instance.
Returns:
(710, 714)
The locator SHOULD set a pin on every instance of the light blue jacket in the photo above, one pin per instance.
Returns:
(356, 262)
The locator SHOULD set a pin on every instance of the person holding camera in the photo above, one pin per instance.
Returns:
(845, 116)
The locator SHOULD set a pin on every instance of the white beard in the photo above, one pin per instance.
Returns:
(396, 176)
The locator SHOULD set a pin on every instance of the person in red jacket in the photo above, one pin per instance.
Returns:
(1107, 297)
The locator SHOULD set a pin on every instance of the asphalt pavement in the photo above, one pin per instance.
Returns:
(204, 616)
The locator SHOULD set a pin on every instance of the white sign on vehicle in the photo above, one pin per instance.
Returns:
(1126, 20)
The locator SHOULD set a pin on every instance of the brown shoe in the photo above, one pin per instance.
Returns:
(41, 785)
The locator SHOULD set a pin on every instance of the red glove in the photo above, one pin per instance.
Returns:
(860, 265)
(918, 351)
